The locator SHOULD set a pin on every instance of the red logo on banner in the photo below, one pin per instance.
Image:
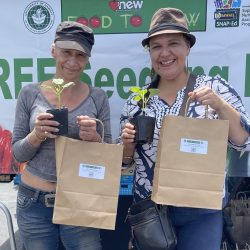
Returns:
(113, 4)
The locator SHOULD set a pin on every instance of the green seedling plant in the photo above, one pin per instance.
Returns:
(143, 95)
(58, 85)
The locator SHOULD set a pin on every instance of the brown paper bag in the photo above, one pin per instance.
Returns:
(190, 165)
(88, 181)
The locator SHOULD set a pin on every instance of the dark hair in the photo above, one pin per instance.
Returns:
(187, 40)
(155, 82)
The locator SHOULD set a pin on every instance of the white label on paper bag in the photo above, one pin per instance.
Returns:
(193, 146)
(91, 171)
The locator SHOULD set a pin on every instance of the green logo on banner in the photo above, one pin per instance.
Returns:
(130, 16)
(38, 17)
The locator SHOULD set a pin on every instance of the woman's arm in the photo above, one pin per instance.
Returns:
(23, 150)
(128, 137)
(225, 110)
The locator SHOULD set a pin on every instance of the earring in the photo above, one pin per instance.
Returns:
(187, 64)
(146, 48)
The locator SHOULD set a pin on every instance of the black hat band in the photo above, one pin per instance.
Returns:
(167, 26)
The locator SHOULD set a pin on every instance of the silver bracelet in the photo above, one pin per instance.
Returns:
(128, 157)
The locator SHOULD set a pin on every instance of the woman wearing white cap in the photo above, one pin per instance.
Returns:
(33, 141)
(169, 42)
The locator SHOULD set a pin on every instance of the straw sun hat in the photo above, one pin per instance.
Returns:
(166, 21)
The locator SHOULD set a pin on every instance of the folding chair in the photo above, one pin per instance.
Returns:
(10, 226)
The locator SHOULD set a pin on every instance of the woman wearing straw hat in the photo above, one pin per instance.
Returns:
(169, 42)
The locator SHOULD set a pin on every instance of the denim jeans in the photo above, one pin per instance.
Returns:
(197, 229)
(38, 232)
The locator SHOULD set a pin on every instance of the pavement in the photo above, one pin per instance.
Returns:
(8, 193)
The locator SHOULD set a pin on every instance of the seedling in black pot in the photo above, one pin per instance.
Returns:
(144, 125)
(60, 113)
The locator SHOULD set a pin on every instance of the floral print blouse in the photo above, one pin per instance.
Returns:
(145, 154)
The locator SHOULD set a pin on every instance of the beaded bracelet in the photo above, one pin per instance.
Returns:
(128, 163)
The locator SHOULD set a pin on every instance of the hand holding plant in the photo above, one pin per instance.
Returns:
(60, 114)
(144, 125)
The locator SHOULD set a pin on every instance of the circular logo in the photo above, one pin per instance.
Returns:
(38, 17)
(217, 15)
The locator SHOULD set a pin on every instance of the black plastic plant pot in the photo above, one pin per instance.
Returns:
(61, 116)
(144, 126)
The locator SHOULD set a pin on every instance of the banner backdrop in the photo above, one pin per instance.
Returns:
(222, 29)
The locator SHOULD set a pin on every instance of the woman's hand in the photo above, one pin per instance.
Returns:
(87, 129)
(128, 134)
(128, 137)
(206, 96)
(44, 128)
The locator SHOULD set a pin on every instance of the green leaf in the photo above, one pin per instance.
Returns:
(144, 92)
(57, 87)
(58, 81)
(68, 84)
(141, 94)
(153, 92)
(135, 89)
(137, 98)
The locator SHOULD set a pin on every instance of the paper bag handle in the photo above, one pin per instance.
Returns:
(187, 105)
(102, 125)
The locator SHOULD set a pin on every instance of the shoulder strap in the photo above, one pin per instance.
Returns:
(189, 88)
